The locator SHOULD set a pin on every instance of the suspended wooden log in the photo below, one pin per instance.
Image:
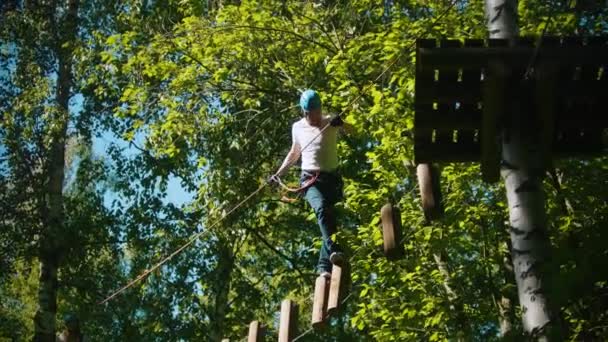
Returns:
(289, 321)
(335, 289)
(430, 191)
(391, 232)
(225, 340)
(319, 304)
(256, 332)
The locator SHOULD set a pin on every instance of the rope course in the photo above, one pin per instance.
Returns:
(207, 231)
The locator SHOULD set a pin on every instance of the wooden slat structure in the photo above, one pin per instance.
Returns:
(464, 90)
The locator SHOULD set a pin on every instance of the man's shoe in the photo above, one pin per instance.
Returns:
(337, 258)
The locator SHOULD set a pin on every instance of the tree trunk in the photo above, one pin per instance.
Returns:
(225, 265)
(441, 259)
(51, 240)
(522, 172)
(442, 266)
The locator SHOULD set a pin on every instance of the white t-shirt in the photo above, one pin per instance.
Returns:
(321, 154)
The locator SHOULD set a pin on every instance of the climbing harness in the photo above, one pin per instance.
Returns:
(299, 191)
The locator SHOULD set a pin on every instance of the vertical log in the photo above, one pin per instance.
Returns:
(494, 104)
(220, 289)
(430, 191)
(256, 332)
(546, 104)
(391, 232)
(335, 293)
(288, 321)
(319, 305)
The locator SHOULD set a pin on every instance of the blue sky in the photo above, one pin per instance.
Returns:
(176, 194)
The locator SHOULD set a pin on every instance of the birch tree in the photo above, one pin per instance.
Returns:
(523, 172)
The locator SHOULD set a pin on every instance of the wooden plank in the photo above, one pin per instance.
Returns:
(546, 103)
(448, 92)
(449, 153)
(585, 108)
(422, 134)
(569, 74)
(494, 105)
(289, 321)
(469, 105)
(451, 119)
(477, 58)
(575, 143)
(446, 136)
(573, 119)
(256, 333)
(335, 290)
(583, 89)
(319, 304)
(430, 191)
(545, 100)
(391, 232)
(594, 105)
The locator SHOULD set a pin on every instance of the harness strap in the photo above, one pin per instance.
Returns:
(304, 186)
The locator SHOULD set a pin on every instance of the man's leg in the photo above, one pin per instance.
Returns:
(326, 218)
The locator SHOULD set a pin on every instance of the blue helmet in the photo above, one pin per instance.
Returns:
(310, 100)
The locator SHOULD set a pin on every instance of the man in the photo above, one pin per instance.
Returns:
(318, 149)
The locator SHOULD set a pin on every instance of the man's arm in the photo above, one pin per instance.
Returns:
(292, 157)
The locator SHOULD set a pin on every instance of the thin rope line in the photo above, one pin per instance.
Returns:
(184, 246)
(303, 334)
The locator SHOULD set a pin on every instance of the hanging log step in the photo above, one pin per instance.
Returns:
(319, 304)
(288, 321)
(430, 191)
(256, 332)
(337, 288)
(391, 232)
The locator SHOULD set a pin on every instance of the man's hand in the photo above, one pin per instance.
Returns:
(274, 179)
(336, 121)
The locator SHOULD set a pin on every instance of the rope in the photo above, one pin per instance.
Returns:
(184, 246)
(303, 334)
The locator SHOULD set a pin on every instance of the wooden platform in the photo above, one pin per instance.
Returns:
(567, 101)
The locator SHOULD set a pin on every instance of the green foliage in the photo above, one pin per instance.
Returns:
(206, 91)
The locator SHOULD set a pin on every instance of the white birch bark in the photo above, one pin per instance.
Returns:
(522, 172)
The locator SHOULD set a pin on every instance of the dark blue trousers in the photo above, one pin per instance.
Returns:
(322, 196)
